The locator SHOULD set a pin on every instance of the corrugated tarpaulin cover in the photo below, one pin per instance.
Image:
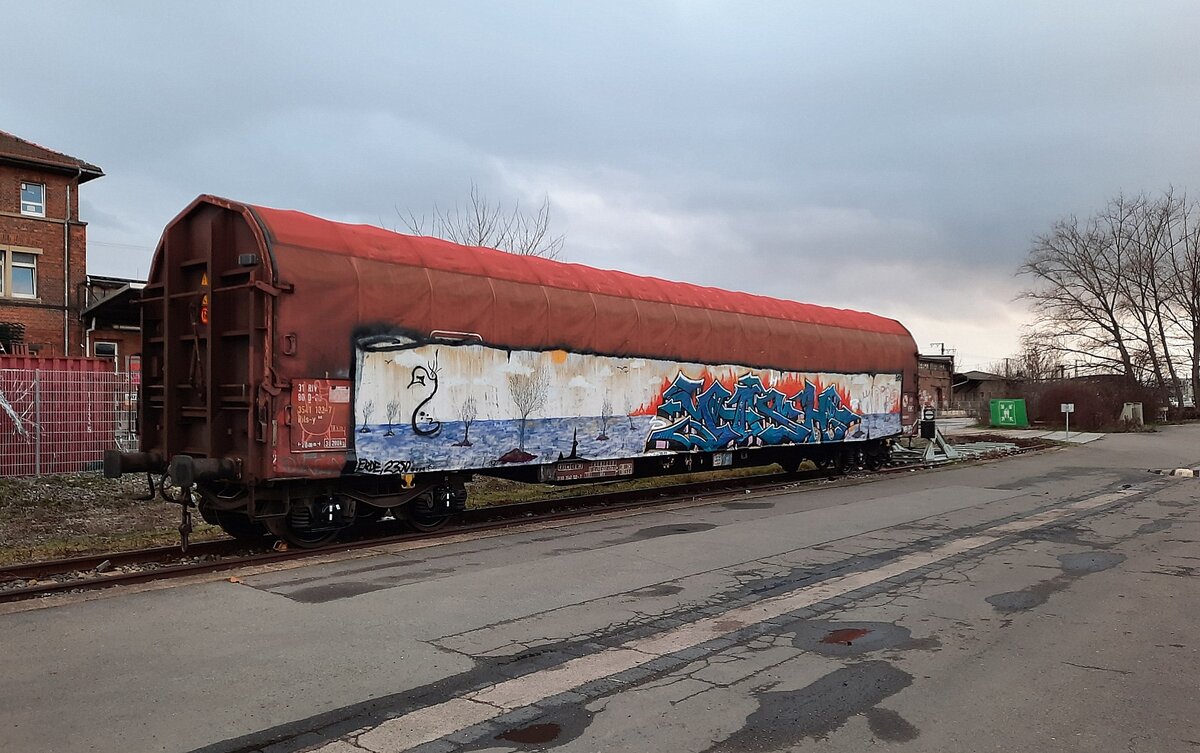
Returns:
(347, 276)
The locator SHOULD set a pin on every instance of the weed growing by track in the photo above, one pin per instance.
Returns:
(83, 513)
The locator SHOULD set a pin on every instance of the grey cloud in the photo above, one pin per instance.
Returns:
(709, 141)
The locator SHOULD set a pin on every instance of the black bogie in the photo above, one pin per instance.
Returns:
(309, 514)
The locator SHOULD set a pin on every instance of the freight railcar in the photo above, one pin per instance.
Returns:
(301, 375)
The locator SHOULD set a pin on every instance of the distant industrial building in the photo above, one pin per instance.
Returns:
(935, 381)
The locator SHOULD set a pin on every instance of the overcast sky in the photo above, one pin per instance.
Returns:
(891, 157)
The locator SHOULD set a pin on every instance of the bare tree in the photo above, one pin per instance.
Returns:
(606, 414)
(367, 411)
(467, 412)
(1122, 291)
(393, 412)
(529, 393)
(1034, 362)
(1076, 294)
(1183, 285)
(482, 223)
(1146, 226)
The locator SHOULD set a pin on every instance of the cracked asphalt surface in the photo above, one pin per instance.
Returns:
(1041, 602)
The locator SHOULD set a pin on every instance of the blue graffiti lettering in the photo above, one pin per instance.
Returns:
(750, 416)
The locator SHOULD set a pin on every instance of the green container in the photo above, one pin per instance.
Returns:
(1009, 413)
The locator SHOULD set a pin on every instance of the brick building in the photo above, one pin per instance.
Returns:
(43, 253)
(935, 381)
(112, 318)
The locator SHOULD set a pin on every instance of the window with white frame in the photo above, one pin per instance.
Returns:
(103, 349)
(33, 199)
(18, 272)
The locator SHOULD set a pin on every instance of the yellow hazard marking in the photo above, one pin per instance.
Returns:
(204, 300)
(204, 279)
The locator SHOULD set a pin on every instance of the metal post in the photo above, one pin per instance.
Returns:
(37, 423)
(1068, 415)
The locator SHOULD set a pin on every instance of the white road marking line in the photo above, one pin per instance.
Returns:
(427, 724)
(435, 722)
(529, 689)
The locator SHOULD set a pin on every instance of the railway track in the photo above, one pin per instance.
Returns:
(76, 574)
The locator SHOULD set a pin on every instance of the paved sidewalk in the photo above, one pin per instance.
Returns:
(965, 427)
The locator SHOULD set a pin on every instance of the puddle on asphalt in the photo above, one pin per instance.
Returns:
(785, 718)
(655, 532)
(845, 635)
(345, 589)
(1089, 562)
(533, 734)
(890, 727)
(834, 638)
(1074, 566)
(1068, 533)
(554, 729)
(330, 592)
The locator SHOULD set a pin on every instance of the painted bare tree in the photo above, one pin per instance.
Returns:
(483, 223)
(529, 392)
(368, 410)
(606, 414)
(9, 411)
(393, 412)
(467, 412)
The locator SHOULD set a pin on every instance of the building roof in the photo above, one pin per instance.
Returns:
(110, 280)
(119, 305)
(16, 150)
(981, 376)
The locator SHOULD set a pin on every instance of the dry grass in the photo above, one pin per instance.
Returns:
(83, 513)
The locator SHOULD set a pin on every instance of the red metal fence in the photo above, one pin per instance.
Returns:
(61, 420)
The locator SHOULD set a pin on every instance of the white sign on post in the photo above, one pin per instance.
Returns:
(1068, 409)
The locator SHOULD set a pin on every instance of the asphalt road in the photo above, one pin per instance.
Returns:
(1045, 602)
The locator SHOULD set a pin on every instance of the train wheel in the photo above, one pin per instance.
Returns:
(425, 514)
(302, 529)
(875, 459)
(238, 525)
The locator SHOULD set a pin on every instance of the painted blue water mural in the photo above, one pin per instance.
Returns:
(492, 443)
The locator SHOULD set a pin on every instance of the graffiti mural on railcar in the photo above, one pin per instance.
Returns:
(474, 406)
(714, 417)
